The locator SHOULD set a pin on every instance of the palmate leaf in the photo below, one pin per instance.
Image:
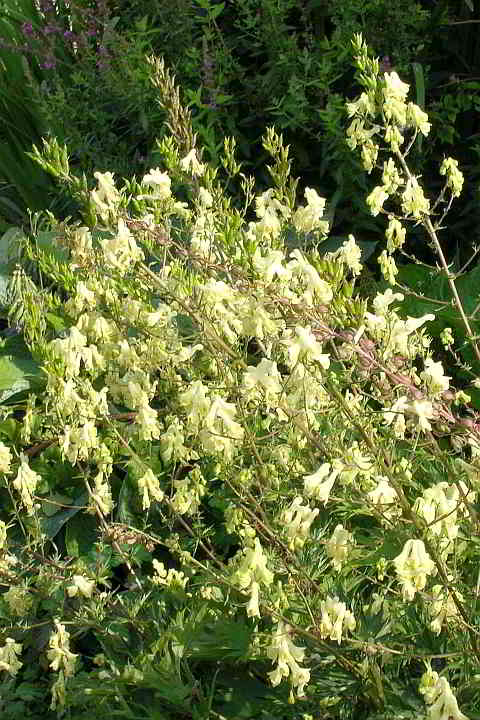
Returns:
(243, 696)
(223, 640)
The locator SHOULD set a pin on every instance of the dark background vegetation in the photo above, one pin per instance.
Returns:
(242, 65)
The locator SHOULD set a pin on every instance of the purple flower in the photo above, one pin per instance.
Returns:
(49, 64)
(27, 28)
(49, 29)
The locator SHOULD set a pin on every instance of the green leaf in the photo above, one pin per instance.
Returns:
(434, 286)
(18, 369)
(17, 374)
(128, 503)
(46, 241)
(9, 242)
(51, 505)
(51, 526)
(81, 534)
(57, 322)
(10, 429)
(5, 275)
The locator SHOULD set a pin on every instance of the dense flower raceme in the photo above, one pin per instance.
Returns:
(383, 120)
(259, 377)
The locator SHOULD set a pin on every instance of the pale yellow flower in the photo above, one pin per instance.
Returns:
(394, 137)
(376, 199)
(388, 267)
(5, 459)
(150, 488)
(385, 499)
(339, 546)
(191, 164)
(434, 377)
(320, 483)
(391, 177)
(412, 566)
(423, 409)
(296, 521)
(442, 703)
(309, 218)
(395, 234)
(414, 201)
(106, 196)
(449, 167)
(335, 619)
(60, 656)
(251, 573)
(9, 661)
(81, 586)
(26, 482)
(160, 181)
(418, 118)
(287, 656)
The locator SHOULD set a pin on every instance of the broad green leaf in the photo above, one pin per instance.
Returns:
(128, 503)
(53, 504)
(9, 242)
(57, 322)
(81, 534)
(18, 369)
(51, 526)
(17, 373)
(5, 275)
(10, 429)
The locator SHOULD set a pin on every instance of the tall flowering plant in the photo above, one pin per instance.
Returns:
(286, 493)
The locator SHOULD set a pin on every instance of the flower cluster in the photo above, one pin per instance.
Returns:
(251, 574)
(442, 703)
(413, 565)
(229, 403)
(287, 657)
(336, 620)
(383, 109)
